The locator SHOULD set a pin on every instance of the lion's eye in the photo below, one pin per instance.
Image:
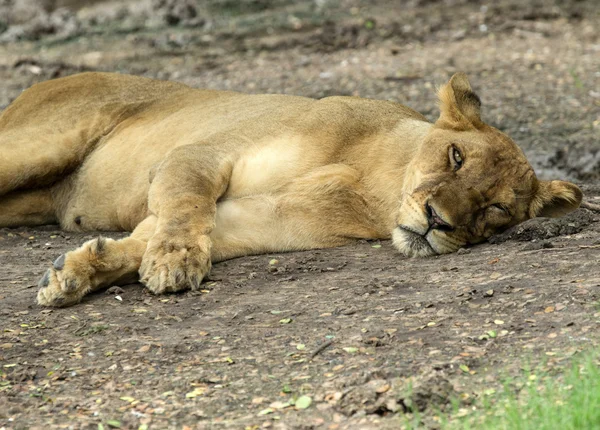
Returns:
(501, 208)
(456, 158)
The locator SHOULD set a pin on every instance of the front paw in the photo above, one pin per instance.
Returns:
(174, 264)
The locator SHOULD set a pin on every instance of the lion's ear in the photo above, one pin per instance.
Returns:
(459, 105)
(555, 198)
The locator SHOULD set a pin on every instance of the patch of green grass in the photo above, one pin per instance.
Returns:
(577, 80)
(92, 330)
(540, 401)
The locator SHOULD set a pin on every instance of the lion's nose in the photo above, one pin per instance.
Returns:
(435, 221)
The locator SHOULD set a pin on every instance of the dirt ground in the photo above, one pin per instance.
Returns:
(369, 336)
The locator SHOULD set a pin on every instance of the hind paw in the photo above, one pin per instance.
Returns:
(71, 276)
(96, 264)
(61, 288)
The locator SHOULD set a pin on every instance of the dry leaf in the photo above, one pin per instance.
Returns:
(383, 389)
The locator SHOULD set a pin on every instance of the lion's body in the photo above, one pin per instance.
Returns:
(116, 143)
(200, 175)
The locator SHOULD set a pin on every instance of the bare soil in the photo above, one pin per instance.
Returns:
(370, 336)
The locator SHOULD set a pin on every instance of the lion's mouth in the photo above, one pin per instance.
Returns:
(417, 242)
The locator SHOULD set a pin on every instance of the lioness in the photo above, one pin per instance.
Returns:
(201, 176)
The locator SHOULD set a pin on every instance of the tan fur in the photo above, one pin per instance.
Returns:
(202, 176)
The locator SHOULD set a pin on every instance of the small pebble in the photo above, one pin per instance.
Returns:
(115, 290)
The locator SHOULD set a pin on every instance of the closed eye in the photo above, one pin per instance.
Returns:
(502, 208)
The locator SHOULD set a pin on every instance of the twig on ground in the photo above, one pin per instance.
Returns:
(590, 206)
(566, 248)
(81, 327)
(321, 348)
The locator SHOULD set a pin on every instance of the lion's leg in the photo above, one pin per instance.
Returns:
(48, 130)
(96, 264)
(27, 208)
(183, 196)
(307, 215)
(31, 157)
(258, 224)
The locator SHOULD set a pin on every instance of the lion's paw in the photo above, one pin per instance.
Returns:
(171, 265)
(63, 285)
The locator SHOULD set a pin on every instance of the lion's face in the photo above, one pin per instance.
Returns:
(464, 187)
(469, 181)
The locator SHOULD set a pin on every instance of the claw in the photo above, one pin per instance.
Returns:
(179, 277)
(195, 282)
(59, 263)
(45, 279)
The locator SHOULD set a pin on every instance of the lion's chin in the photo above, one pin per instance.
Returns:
(412, 244)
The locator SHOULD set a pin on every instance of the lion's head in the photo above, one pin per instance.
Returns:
(469, 181)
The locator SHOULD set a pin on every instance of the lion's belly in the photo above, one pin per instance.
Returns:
(107, 203)
(110, 190)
